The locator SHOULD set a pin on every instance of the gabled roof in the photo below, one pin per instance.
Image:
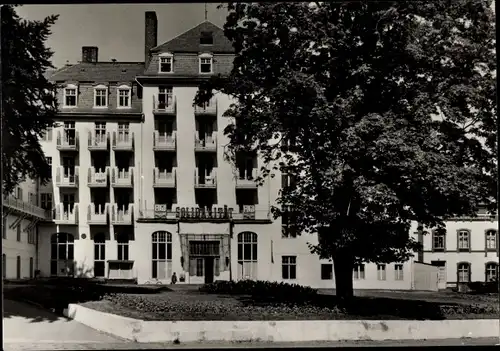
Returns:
(189, 41)
(100, 71)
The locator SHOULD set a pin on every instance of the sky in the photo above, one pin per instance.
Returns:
(117, 29)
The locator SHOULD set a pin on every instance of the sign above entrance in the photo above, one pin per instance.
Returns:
(204, 212)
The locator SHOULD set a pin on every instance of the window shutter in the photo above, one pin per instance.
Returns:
(217, 267)
(469, 240)
(49, 134)
(486, 244)
(192, 267)
(458, 240)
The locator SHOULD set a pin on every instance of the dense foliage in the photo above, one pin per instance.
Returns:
(28, 100)
(383, 112)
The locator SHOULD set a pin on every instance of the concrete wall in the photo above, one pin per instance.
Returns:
(425, 277)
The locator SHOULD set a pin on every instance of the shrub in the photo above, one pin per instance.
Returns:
(262, 290)
(484, 287)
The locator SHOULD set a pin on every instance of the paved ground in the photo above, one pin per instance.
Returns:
(26, 323)
(217, 346)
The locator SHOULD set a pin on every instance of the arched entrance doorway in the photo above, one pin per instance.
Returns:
(62, 254)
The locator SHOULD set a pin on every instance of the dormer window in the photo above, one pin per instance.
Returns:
(124, 100)
(166, 63)
(206, 64)
(101, 96)
(70, 95)
(206, 38)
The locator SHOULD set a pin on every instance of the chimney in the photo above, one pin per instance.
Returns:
(89, 54)
(150, 35)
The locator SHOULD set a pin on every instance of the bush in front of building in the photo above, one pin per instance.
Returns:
(483, 287)
(262, 290)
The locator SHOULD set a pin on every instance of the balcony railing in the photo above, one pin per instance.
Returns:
(25, 207)
(67, 177)
(208, 108)
(98, 141)
(209, 143)
(207, 180)
(98, 214)
(251, 212)
(164, 141)
(98, 179)
(122, 215)
(245, 180)
(66, 142)
(123, 141)
(68, 215)
(168, 107)
(122, 178)
(164, 179)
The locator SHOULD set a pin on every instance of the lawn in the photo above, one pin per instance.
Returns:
(253, 301)
(194, 305)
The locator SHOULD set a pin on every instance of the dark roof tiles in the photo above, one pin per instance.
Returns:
(100, 71)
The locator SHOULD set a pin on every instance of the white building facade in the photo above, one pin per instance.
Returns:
(141, 189)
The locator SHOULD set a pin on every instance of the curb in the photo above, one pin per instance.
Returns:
(280, 331)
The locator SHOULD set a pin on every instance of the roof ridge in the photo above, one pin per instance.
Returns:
(59, 70)
(166, 42)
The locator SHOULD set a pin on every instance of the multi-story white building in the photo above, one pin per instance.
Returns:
(141, 188)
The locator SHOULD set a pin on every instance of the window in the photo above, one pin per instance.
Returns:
(31, 236)
(4, 228)
(326, 271)
(463, 240)
(162, 255)
(122, 248)
(491, 271)
(288, 181)
(4, 266)
(206, 38)
(288, 219)
(165, 97)
(463, 272)
(398, 272)
(18, 229)
(101, 96)
(70, 96)
(491, 240)
(438, 240)
(247, 255)
(62, 254)
(99, 255)
(18, 267)
(289, 267)
(19, 193)
(47, 134)
(359, 271)
(206, 64)
(381, 275)
(46, 201)
(124, 99)
(166, 63)
(31, 268)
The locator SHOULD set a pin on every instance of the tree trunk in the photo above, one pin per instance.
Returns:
(343, 266)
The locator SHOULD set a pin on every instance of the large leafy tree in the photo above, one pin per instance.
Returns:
(384, 112)
(28, 101)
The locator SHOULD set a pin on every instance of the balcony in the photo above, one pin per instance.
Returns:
(207, 181)
(67, 178)
(123, 141)
(98, 214)
(98, 141)
(168, 107)
(209, 143)
(68, 215)
(244, 181)
(66, 142)
(122, 178)
(163, 179)
(207, 109)
(20, 206)
(164, 142)
(121, 215)
(251, 212)
(98, 179)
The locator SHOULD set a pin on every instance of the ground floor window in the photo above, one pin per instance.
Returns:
(491, 271)
(398, 272)
(358, 271)
(381, 274)
(161, 255)
(61, 254)
(289, 267)
(100, 255)
(4, 266)
(18, 267)
(123, 248)
(326, 271)
(247, 255)
(463, 272)
(32, 268)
